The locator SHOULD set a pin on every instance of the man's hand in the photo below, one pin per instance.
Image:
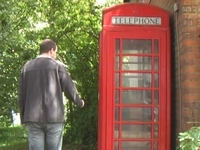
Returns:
(83, 103)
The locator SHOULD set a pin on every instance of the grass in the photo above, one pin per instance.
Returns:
(15, 138)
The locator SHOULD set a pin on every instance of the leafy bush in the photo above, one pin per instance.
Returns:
(190, 139)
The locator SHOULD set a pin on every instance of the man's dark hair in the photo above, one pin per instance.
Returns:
(125, 1)
(47, 45)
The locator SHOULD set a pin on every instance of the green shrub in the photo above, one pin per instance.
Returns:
(190, 139)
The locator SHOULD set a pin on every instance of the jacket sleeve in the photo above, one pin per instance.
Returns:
(68, 86)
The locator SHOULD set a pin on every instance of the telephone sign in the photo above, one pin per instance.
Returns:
(137, 20)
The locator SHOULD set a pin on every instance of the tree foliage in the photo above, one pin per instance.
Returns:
(74, 25)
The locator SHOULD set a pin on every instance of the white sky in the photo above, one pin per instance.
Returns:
(101, 1)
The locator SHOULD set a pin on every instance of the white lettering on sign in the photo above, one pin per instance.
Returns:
(137, 20)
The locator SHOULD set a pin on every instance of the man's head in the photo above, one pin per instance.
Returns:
(49, 47)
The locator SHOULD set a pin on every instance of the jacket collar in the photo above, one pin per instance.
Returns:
(43, 55)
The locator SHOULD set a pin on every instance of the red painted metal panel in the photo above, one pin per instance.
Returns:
(135, 9)
(112, 125)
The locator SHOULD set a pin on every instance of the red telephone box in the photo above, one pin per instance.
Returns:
(134, 78)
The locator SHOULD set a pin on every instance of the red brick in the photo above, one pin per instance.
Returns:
(190, 97)
(189, 42)
(187, 90)
(190, 77)
(197, 22)
(190, 62)
(191, 104)
(190, 55)
(183, 29)
(185, 49)
(196, 48)
(187, 112)
(188, 29)
(187, 2)
(186, 9)
(188, 125)
(186, 22)
(194, 119)
(190, 69)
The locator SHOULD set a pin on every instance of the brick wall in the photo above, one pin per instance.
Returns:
(185, 31)
(189, 41)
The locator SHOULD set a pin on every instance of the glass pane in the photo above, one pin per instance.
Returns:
(116, 114)
(136, 145)
(117, 45)
(117, 97)
(116, 145)
(117, 62)
(136, 46)
(116, 132)
(136, 131)
(136, 80)
(136, 96)
(156, 114)
(136, 63)
(155, 145)
(137, 114)
(156, 97)
(156, 64)
(156, 47)
(156, 80)
(156, 131)
(117, 79)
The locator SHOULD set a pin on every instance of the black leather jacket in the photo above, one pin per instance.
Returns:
(42, 83)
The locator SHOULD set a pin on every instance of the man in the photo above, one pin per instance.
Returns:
(42, 82)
